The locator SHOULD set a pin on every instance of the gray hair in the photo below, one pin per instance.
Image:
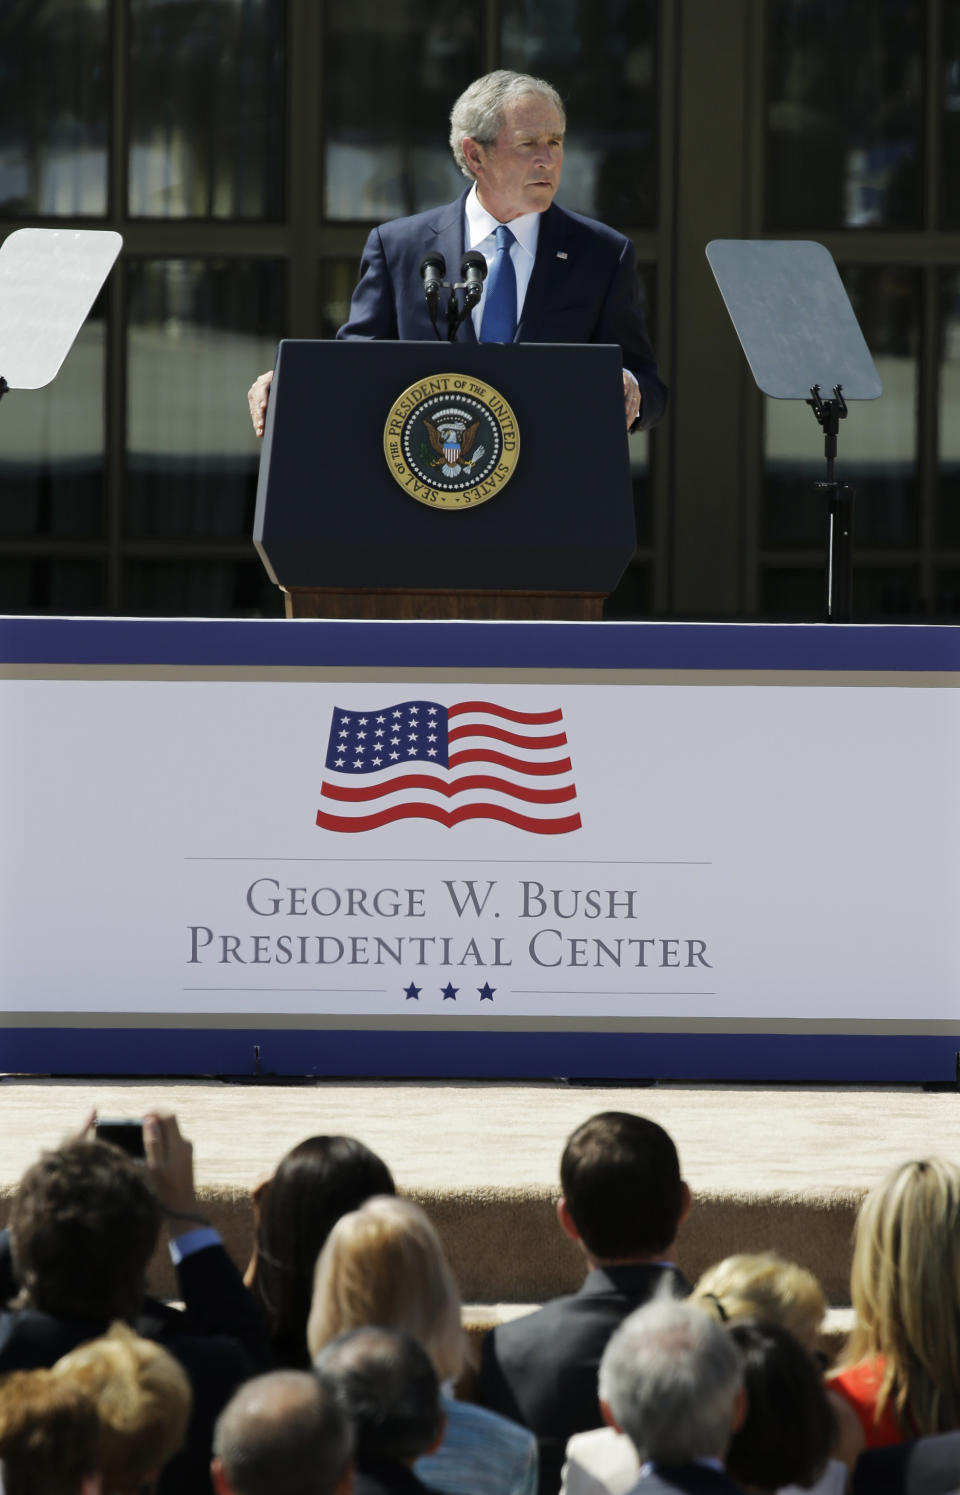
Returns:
(670, 1375)
(284, 1433)
(478, 112)
(387, 1386)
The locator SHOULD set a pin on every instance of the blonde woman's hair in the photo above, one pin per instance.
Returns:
(383, 1266)
(764, 1286)
(905, 1290)
(143, 1402)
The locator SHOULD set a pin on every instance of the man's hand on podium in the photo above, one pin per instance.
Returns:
(257, 396)
(631, 397)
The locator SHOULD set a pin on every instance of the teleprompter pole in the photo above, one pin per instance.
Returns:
(840, 501)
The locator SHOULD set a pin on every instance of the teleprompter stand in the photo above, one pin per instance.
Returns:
(49, 279)
(800, 336)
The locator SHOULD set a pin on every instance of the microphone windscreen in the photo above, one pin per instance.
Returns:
(433, 261)
(473, 260)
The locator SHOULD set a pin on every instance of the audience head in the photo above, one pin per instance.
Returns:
(389, 1390)
(384, 1264)
(671, 1379)
(143, 1402)
(622, 1190)
(83, 1227)
(283, 1434)
(905, 1290)
(48, 1436)
(318, 1181)
(766, 1287)
(786, 1435)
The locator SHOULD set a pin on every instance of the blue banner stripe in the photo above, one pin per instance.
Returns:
(801, 1058)
(595, 646)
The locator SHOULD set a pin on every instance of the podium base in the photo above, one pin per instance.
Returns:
(399, 604)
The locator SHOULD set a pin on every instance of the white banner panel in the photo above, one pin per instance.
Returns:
(768, 850)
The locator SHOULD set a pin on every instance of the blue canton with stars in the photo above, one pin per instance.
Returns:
(370, 741)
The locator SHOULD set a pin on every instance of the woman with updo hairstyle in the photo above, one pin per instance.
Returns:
(316, 1182)
(763, 1285)
(900, 1371)
(383, 1266)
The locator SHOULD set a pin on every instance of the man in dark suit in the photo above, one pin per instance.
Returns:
(671, 1378)
(84, 1224)
(553, 276)
(623, 1200)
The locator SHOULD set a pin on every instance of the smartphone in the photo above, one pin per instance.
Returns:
(122, 1133)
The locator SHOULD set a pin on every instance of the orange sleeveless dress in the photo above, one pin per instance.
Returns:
(860, 1386)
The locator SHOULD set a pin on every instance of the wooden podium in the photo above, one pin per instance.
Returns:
(345, 449)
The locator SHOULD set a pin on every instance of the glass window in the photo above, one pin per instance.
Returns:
(390, 76)
(206, 108)
(795, 594)
(948, 506)
(877, 442)
(199, 332)
(52, 446)
(200, 589)
(67, 586)
(844, 114)
(54, 91)
(947, 592)
(601, 56)
(950, 116)
(337, 280)
(633, 595)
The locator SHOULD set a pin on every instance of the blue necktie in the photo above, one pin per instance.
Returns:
(499, 322)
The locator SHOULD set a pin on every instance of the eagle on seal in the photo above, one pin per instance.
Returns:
(451, 445)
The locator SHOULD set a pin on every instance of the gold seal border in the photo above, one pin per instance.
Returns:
(451, 386)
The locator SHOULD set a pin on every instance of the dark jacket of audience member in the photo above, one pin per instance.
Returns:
(317, 1182)
(925, 1466)
(83, 1227)
(389, 1390)
(623, 1200)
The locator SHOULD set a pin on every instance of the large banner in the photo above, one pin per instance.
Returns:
(571, 842)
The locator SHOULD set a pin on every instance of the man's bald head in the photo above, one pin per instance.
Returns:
(283, 1434)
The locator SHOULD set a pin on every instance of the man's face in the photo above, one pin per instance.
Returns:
(520, 172)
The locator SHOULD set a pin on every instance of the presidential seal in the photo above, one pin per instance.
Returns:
(451, 441)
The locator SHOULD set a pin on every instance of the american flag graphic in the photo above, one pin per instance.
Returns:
(418, 760)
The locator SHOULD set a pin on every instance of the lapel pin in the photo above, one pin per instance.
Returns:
(561, 254)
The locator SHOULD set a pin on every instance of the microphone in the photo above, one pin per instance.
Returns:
(433, 267)
(473, 272)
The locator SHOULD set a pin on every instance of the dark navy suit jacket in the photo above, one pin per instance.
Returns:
(541, 1370)
(583, 289)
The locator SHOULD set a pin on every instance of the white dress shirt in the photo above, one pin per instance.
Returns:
(480, 229)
